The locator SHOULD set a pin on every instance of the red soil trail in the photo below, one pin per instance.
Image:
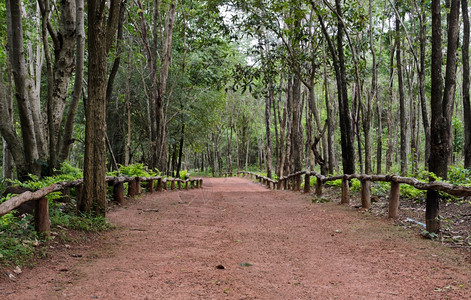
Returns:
(235, 239)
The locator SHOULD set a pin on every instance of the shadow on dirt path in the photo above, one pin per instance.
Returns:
(234, 239)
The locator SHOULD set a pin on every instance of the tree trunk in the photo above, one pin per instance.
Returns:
(268, 101)
(441, 107)
(367, 113)
(161, 118)
(423, 100)
(11, 141)
(22, 82)
(94, 191)
(466, 101)
(390, 149)
(402, 101)
(60, 74)
(379, 142)
(282, 138)
(348, 151)
(180, 150)
(346, 132)
(277, 140)
(67, 139)
(330, 124)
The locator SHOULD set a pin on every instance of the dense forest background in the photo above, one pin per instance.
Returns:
(279, 86)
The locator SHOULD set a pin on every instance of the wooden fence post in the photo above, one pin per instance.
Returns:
(365, 194)
(118, 192)
(164, 184)
(286, 183)
(318, 187)
(42, 224)
(132, 188)
(150, 186)
(159, 184)
(172, 186)
(394, 199)
(138, 185)
(200, 183)
(298, 182)
(345, 192)
(179, 184)
(187, 185)
(307, 183)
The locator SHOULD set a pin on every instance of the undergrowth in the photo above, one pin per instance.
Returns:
(19, 242)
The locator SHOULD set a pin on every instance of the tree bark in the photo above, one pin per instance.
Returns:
(22, 84)
(466, 85)
(390, 148)
(161, 118)
(441, 104)
(402, 105)
(60, 73)
(94, 192)
(268, 101)
(67, 140)
(338, 59)
(10, 137)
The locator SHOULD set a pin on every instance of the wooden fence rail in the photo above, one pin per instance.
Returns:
(41, 207)
(293, 182)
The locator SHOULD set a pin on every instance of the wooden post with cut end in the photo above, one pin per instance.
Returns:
(164, 184)
(345, 192)
(318, 187)
(298, 182)
(365, 194)
(172, 187)
(187, 184)
(42, 224)
(138, 185)
(118, 192)
(179, 182)
(159, 184)
(150, 186)
(307, 183)
(394, 199)
(132, 187)
(200, 183)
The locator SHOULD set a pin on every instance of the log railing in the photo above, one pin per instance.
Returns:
(41, 207)
(293, 182)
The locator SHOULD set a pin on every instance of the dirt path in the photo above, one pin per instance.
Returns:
(271, 244)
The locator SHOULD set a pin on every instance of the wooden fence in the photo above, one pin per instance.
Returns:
(293, 182)
(41, 207)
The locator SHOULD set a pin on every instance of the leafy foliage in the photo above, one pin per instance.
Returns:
(135, 170)
(18, 239)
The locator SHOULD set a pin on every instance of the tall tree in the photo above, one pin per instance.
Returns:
(466, 101)
(22, 95)
(441, 103)
(60, 71)
(402, 100)
(338, 61)
(101, 32)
